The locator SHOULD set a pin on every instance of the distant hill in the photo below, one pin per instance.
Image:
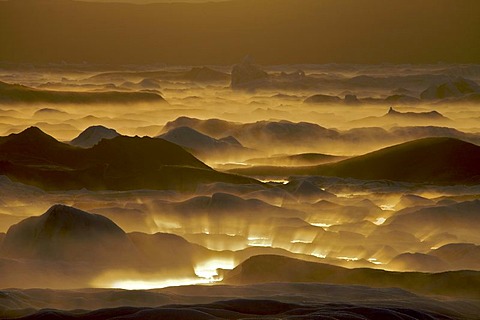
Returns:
(15, 93)
(431, 115)
(151, 77)
(261, 134)
(397, 118)
(92, 135)
(273, 31)
(223, 204)
(303, 159)
(428, 160)
(205, 146)
(121, 163)
(33, 146)
(269, 268)
(459, 87)
(286, 137)
(462, 217)
(418, 262)
(460, 255)
(433, 160)
(215, 128)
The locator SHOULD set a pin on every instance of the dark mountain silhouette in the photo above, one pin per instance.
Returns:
(122, 163)
(216, 128)
(429, 160)
(418, 132)
(49, 112)
(261, 133)
(270, 268)
(463, 256)
(394, 117)
(283, 132)
(204, 74)
(303, 159)
(92, 135)
(33, 146)
(66, 233)
(15, 93)
(431, 115)
(151, 78)
(401, 99)
(203, 145)
(432, 160)
(247, 75)
(417, 262)
(452, 89)
(145, 84)
(461, 217)
(322, 98)
(231, 140)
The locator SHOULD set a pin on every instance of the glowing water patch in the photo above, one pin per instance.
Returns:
(301, 241)
(156, 284)
(380, 221)
(282, 181)
(208, 269)
(387, 207)
(166, 225)
(319, 255)
(374, 261)
(321, 224)
(345, 195)
(242, 164)
(348, 258)
(351, 195)
(259, 242)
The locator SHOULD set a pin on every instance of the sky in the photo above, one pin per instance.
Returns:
(155, 1)
(273, 31)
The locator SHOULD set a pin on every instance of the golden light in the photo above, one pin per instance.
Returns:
(380, 221)
(209, 269)
(259, 242)
(156, 284)
(387, 207)
(321, 225)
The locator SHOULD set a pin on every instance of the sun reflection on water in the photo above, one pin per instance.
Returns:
(209, 268)
(157, 284)
(206, 273)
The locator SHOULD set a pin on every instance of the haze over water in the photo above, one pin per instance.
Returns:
(239, 159)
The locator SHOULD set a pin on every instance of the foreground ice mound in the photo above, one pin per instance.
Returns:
(67, 233)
